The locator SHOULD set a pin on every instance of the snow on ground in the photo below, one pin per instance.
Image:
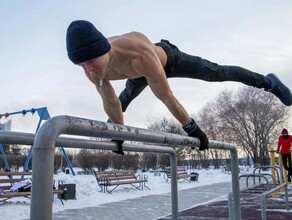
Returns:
(88, 194)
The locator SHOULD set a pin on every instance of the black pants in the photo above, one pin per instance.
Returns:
(180, 64)
(286, 158)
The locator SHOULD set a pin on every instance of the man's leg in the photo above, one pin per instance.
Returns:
(185, 65)
(133, 88)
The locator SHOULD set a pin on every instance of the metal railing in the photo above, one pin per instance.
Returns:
(48, 137)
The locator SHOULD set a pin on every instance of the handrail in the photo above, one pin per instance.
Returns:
(263, 199)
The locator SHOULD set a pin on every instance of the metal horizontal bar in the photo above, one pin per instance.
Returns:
(9, 137)
(273, 189)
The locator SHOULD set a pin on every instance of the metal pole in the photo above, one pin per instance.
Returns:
(4, 157)
(263, 207)
(230, 207)
(235, 184)
(286, 198)
(174, 191)
(37, 128)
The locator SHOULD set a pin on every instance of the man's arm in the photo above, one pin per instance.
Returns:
(154, 73)
(111, 105)
(111, 102)
(157, 81)
(113, 108)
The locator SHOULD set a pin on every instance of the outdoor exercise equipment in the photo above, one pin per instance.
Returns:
(43, 116)
(272, 183)
(48, 137)
(5, 127)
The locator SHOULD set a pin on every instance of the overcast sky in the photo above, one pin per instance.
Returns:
(36, 72)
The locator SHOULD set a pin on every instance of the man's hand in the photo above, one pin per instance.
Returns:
(193, 130)
(120, 147)
(277, 151)
(119, 142)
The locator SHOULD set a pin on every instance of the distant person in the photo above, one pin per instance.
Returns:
(134, 57)
(284, 145)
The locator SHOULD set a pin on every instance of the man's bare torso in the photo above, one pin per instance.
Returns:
(132, 56)
(127, 56)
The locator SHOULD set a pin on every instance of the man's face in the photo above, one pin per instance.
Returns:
(96, 66)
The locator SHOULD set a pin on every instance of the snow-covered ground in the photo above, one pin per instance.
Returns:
(88, 195)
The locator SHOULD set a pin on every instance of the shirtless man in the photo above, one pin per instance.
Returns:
(133, 57)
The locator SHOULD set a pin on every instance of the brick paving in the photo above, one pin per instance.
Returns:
(147, 207)
(204, 202)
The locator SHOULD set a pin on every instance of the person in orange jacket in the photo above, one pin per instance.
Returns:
(284, 144)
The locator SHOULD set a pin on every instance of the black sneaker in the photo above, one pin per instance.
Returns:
(288, 178)
(279, 89)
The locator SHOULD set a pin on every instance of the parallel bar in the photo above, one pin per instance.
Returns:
(48, 134)
(263, 199)
(11, 137)
(28, 138)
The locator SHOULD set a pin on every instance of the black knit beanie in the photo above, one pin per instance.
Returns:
(85, 42)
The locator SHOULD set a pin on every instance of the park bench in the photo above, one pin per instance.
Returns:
(8, 179)
(181, 174)
(108, 179)
(227, 168)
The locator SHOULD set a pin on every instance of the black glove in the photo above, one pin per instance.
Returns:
(119, 142)
(120, 147)
(277, 151)
(193, 130)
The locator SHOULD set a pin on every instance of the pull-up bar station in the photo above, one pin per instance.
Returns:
(48, 137)
(43, 116)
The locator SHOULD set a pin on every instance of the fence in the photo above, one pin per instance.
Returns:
(48, 137)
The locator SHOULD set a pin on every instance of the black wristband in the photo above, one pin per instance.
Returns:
(190, 126)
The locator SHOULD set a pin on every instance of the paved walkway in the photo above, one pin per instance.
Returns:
(147, 207)
(250, 208)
